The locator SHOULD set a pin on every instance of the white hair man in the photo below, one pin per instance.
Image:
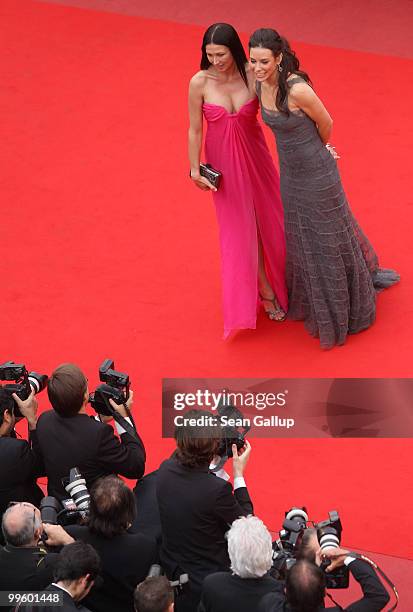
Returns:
(250, 552)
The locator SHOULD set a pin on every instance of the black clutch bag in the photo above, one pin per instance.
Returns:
(213, 176)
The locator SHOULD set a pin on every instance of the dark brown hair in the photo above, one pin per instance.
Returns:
(306, 550)
(226, 35)
(6, 403)
(266, 38)
(112, 507)
(66, 389)
(75, 561)
(196, 444)
(305, 587)
(154, 594)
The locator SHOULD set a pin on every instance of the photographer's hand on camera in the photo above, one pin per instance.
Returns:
(240, 459)
(336, 556)
(28, 408)
(56, 535)
(120, 408)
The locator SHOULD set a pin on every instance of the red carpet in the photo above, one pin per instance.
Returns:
(108, 250)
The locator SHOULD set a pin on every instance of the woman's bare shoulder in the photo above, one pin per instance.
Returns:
(199, 78)
(301, 91)
(197, 85)
(298, 83)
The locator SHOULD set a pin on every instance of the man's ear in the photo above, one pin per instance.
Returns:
(87, 580)
(8, 416)
(8, 421)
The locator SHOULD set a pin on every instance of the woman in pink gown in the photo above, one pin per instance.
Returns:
(248, 204)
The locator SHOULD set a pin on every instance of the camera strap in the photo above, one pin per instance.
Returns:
(331, 598)
(219, 465)
(380, 571)
(130, 429)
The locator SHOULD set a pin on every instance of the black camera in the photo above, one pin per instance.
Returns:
(329, 536)
(50, 508)
(230, 433)
(116, 387)
(68, 511)
(24, 382)
(286, 547)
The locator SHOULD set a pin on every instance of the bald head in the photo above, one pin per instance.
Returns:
(305, 587)
(21, 525)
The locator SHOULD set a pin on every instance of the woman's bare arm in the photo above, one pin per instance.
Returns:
(195, 101)
(305, 98)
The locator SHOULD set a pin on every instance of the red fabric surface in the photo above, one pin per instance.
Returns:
(376, 26)
(107, 249)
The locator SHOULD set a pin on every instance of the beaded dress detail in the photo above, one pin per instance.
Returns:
(332, 270)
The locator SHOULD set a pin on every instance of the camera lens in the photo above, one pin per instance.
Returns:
(77, 489)
(297, 514)
(328, 538)
(37, 381)
(49, 508)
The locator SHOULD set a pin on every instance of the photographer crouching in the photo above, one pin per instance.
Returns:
(68, 436)
(310, 562)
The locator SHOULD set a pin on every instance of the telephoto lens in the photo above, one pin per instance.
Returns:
(328, 538)
(49, 509)
(329, 531)
(37, 381)
(294, 524)
(77, 490)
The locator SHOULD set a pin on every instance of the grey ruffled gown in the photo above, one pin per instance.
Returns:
(332, 270)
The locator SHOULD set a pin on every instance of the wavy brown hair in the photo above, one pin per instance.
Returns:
(196, 444)
(266, 38)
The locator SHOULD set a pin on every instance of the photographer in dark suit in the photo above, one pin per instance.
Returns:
(197, 507)
(68, 437)
(25, 562)
(76, 569)
(305, 586)
(375, 596)
(126, 557)
(20, 460)
(250, 552)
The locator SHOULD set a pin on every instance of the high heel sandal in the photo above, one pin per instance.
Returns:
(278, 313)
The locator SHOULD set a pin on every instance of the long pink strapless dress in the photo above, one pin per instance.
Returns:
(248, 197)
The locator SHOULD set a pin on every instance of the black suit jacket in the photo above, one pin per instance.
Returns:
(126, 560)
(83, 442)
(69, 605)
(25, 569)
(196, 510)
(223, 592)
(20, 464)
(375, 597)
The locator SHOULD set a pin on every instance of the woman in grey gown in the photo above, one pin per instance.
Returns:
(332, 270)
